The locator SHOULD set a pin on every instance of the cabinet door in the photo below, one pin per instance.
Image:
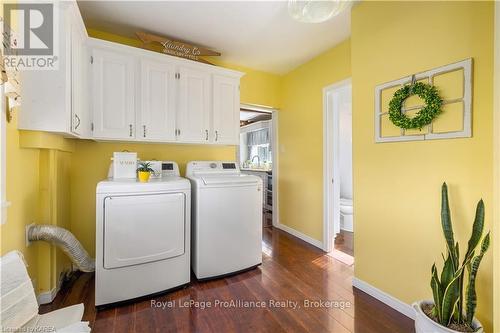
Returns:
(78, 76)
(157, 115)
(113, 95)
(226, 110)
(193, 117)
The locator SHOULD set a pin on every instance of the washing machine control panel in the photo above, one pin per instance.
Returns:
(231, 166)
(210, 167)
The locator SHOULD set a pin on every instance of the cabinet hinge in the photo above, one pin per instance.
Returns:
(92, 127)
(177, 75)
(91, 59)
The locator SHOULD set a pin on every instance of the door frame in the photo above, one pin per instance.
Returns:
(275, 146)
(331, 185)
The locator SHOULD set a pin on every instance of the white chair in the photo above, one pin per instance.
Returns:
(19, 308)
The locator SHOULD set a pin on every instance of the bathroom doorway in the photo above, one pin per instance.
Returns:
(338, 191)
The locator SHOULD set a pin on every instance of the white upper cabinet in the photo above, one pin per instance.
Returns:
(113, 78)
(55, 100)
(108, 91)
(193, 116)
(226, 110)
(157, 116)
(141, 95)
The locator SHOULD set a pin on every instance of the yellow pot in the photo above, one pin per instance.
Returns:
(144, 176)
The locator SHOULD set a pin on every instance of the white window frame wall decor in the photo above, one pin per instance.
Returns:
(466, 99)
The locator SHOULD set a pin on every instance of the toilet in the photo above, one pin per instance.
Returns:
(346, 222)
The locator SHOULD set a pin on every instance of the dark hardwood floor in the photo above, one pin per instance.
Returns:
(291, 270)
(345, 242)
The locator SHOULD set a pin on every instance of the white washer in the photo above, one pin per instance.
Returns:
(226, 219)
(142, 236)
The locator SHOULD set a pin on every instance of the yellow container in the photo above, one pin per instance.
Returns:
(144, 176)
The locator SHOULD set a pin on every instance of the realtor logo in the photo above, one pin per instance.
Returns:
(32, 45)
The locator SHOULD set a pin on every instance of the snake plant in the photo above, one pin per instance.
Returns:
(448, 287)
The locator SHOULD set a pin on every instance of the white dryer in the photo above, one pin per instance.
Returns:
(142, 236)
(226, 219)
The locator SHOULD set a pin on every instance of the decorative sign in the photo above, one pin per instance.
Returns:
(178, 49)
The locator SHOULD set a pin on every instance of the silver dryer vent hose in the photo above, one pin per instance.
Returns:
(66, 241)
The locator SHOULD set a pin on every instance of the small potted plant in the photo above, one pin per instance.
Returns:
(453, 307)
(144, 170)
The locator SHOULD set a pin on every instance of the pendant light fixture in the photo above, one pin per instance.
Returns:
(316, 11)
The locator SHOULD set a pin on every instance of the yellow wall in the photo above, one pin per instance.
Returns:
(38, 188)
(301, 139)
(496, 190)
(22, 191)
(90, 165)
(50, 180)
(397, 185)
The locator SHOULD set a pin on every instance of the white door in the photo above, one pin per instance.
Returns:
(157, 114)
(143, 228)
(193, 118)
(226, 110)
(78, 75)
(113, 95)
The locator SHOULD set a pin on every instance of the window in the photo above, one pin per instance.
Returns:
(258, 144)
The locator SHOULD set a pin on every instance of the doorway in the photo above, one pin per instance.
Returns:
(257, 154)
(338, 191)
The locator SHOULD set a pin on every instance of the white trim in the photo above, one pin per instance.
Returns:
(384, 297)
(275, 143)
(331, 185)
(48, 296)
(300, 235)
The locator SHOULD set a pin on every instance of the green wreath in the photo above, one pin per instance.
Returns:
(431, 110)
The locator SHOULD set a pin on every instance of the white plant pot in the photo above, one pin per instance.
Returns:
(424, 324)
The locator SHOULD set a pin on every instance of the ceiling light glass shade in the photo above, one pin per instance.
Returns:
(315, 11)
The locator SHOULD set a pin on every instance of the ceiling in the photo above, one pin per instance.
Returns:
(248, 115)
(256, 34)
(251, 115)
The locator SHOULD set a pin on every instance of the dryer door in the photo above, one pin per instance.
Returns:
(143, 228)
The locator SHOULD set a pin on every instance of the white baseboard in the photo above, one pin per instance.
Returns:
(384, 297)
(300, 235)
(48, 296)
